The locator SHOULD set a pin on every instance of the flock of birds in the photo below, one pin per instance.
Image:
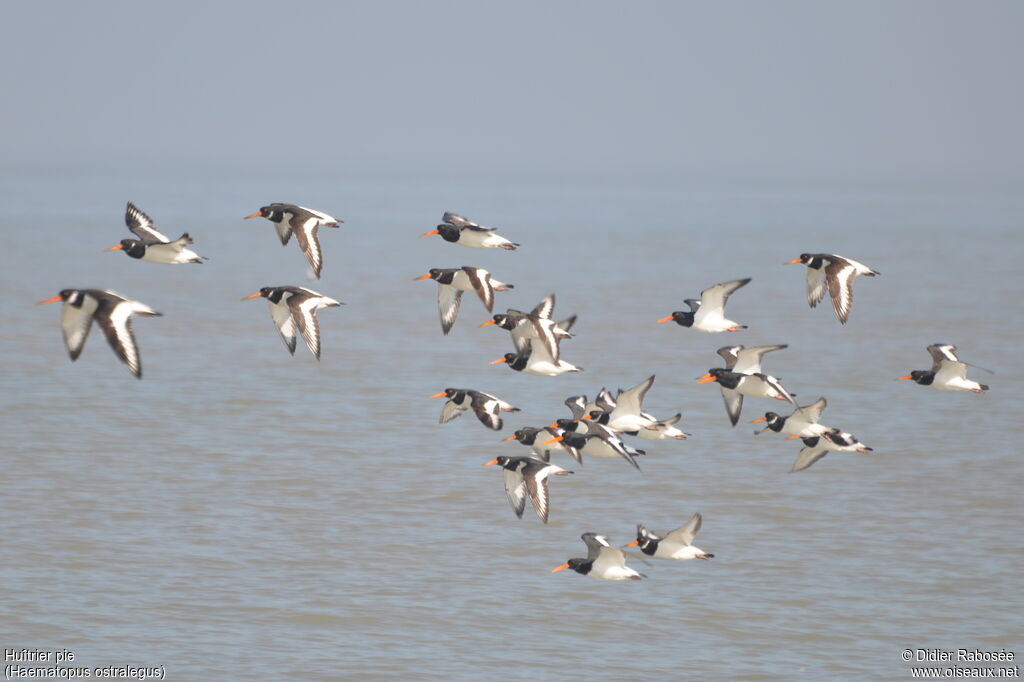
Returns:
(595, 428)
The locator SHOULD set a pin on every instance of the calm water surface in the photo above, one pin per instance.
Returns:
(244, 514)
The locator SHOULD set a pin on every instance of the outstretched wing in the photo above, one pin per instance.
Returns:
(733, 403)
(940, 352)
(688, 531)
(815, 286)
(448, 300)
(748, 360)
(714, 298)
(515, 490)
(142, 225)
(305, 235)
(75, 323)
(840, 274)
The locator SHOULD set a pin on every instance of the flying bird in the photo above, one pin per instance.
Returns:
(948, 373)
(802, 423)
(708, 314)
(451, 282)
(456, 229)
(527, 476)
(676, 544)
(111, 311)
(485, 406)
(832, 441)
(536, 326)
(836, 273)
(536, 360)
(296, 307)
(734, 386)
(153, 245)
(603, 562)
(304, 223)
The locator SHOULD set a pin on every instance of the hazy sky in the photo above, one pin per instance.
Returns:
(922, 92)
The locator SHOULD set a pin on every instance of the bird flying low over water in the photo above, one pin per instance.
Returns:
(708, 314)
(676, 544)
(111, 311)
(536, 326)
(832, 441)
(153, 245)
(295, 307)
(451, 282)
(527, 476)
(802, 423)
(485, 406)
(835, 273)
(734, 386)
(536, 360)
(948, 373)
(454, 228)
(534, 438)
(304, 223)
(595, 440)
(603, 562)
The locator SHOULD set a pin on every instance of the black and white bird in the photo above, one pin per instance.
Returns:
(527, 476)
(451, 282)
(111, 311)
(708, 314)
(626, 412)
(832, 441)
(603, 562)
(454, 228)
(304, 223)
(734, 386)
(536, 360)
(948, 372)
(595, 440)
(536, 326)
(152, 245)
(534, 438)
(487, 407)
(835, 273)
(802, 423)
(295, 308)
(676, 544)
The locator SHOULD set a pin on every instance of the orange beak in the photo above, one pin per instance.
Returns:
(509, 438)
(792, 437)
(632, 544)
(487, 323)
(426, 276)
(49, 300)
(495, 362)
(491, 463)
(758, 420)
(254, 215)
(585, 417)
(560, 568)
(705, 379)
(792, 262)
(115, 248)
(897, 378)
(251, 296)
(666, 319)
(556, 439)
(442, 394)
(427, 234)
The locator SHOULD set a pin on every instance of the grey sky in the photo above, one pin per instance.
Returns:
(841, 91)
